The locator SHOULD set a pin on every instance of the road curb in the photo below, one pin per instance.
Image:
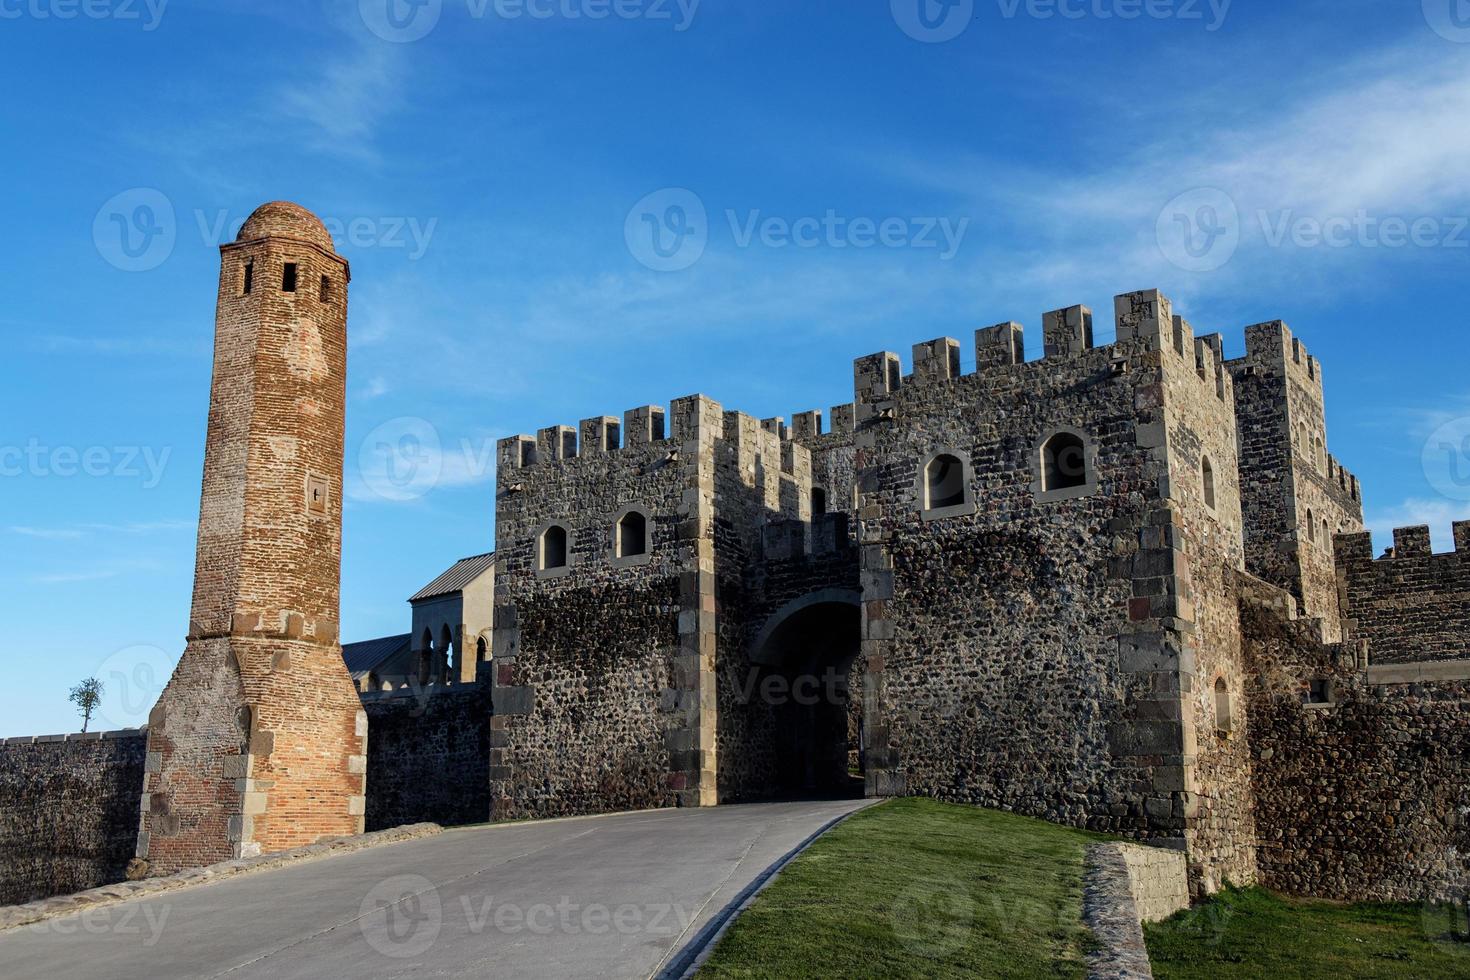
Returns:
(698, 949)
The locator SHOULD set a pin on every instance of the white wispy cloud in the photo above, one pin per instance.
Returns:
(340, 104)
(48, 533)
(77, 531)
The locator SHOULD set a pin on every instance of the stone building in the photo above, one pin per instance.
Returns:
(1123, 587)
(1057, 586)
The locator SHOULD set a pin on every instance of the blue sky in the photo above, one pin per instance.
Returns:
(827, 179)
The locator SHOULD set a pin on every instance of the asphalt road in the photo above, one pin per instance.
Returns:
(625, 895)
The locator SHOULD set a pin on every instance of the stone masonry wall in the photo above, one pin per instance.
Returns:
(1412, 606)
(428, 756)
(995, 670)
(596, 707)
(1362, 797)
(1296, 495)
(68, 812)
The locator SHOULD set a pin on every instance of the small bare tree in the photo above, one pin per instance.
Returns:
(86, 696)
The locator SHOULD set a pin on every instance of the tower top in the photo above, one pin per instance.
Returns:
(282, 219)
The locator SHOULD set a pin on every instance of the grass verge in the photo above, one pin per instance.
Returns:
(915, 888)
(1255, 933)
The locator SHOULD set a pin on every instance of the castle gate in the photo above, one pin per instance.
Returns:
(804, 664)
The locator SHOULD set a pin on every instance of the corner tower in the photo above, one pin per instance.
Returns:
(258, 743)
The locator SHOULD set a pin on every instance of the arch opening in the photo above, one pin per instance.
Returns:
(809, 684)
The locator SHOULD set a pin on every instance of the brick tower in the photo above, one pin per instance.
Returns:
(259, 742)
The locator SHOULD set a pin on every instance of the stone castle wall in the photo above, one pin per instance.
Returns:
(68, 812)
(1361, 796)
(996, 675)
(428, 756)
(1413, 605)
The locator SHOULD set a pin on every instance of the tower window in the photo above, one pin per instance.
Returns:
(326, 295)
(1311, 527)
(249, 282)
(632, 535)
(1208, 473)
(1063, 462)
(288, 278)
(819, 501)
(552, 549)
(1318, 690)
(944, 482)
(1224, 710)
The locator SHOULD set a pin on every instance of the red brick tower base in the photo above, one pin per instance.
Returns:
(259, 742)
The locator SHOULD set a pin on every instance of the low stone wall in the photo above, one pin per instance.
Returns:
(68, 811)
(428, 756)
(1126, 886)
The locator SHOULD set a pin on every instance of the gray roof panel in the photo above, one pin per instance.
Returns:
(459, 575)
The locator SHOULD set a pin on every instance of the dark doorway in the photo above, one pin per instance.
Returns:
(814, 693)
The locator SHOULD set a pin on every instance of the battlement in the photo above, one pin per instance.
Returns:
(640, 427)
(1271, 348)
(1346, 481)
(1408, 542)
(1144, 318)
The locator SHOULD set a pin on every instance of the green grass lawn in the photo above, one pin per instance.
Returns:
(915, 888)
(1254, 933)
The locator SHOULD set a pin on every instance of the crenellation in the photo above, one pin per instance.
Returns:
(999, 346)
(776, 426)
(601, 434)
(1067, 332)
(875, 378)
(806, 425)
(556, 442)
(842, 420)
(1411, 542)
(1462, 536)
(515, 452)
(936, 360)
(1145, 315)
(643, 425)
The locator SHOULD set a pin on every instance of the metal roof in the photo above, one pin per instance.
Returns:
(459, 575)
(363, 657)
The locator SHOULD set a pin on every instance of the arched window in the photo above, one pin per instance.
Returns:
(482, 650)
(631, 535)
(445, 655)
(1311, 526)
(1063, 462)
(819, 501)
(551, 550)
(1207, 471)
(1224, 711)
(944, 482)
